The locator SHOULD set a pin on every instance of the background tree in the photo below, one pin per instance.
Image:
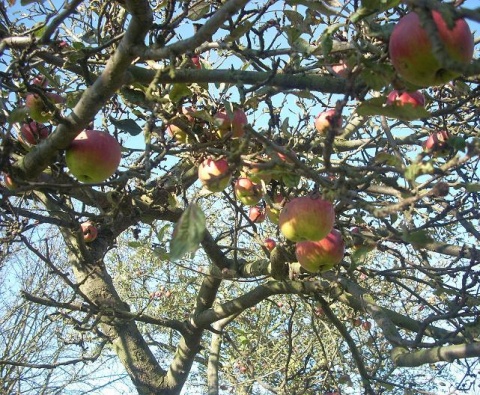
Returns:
(169, 285)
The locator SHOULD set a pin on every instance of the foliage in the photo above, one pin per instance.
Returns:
(177, 292)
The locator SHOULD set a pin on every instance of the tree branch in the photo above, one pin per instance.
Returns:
(401, 357)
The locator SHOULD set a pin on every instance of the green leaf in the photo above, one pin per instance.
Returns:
(319, 6)
(17, 115)
(359, 255)
(127, 125)
(188, 233)
(389, 159)
(377, 106)
(417, 169)
(293, 34)
(472, 187)
(198, 10)
(239, 31)
(178, 92)
(294, 17)
(418, 238)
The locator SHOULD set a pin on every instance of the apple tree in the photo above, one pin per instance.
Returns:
(251, 197)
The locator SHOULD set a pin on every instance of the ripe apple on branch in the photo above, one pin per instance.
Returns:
(93, 156)
(412, 51)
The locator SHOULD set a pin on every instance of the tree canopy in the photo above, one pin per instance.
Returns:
(154, 153)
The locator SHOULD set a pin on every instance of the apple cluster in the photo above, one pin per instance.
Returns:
(419, 64)
(191, 125)
(309, 221)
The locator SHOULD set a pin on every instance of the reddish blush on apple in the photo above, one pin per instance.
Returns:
(256, 214)
(327, 120)
(341, 69)
(235, 124)
(412, 54)
(93, 156)
(33, 132)
(247, 191)
(214, 174)
(269, 244)
(196, 61)
(90, 231)
(8, 182)
(436, 143)
(321, 255)
(307, 218)
(402, 98)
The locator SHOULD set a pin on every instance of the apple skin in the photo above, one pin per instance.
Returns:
(33, 132)
(269, 244)
(196, 61)
(397, 98)
(273, 211)
(341, 69)
(257, 173)
(90, 231)
(324, 121)
(37, 108)
(93, 156)
(214, 174)
(322, 255)
(247, 191)
(256, 214)
(177, 133)
(436, 143)
(306, 218)
(40, 80)
(8, 182)
(411, 50)
(237, 124)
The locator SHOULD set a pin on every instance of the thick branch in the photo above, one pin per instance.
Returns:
(401, 357)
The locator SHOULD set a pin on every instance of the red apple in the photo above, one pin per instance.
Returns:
(412, 54)
(89, 231)
(397, 98)
(196, 61)
(366, 325)
(93, 156)
(436, 143)
(214, 174)
(269, 244)
(32, 132)
(325, 120)
(40, 80)
(256, 214)
(8, 182)
(247, 191)
(322, 255)
(357, 322)
(306, 218)
(236, 124)
(341, 69)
